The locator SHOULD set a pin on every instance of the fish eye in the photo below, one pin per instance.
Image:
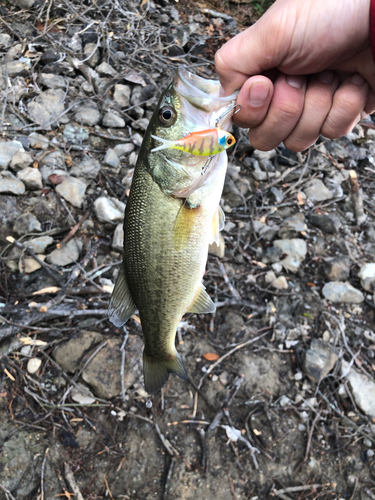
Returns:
(167, 115)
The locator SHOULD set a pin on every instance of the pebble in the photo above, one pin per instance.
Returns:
(292, 226)
(118, 237)
(316, 191)
(26, 223)
(39, 245)
(88, 116)
(38, 141)
(280, 283)
(295, 250)
(33, 365)
(121, 95)
(15, 68)
(91, 50)
(319, 360)
(30, 264)
(106, 69)
(68, 254)
(21, 160)
(112, 120)
(4, 39)
(82, 395)
(124, 149)
(9, 184)
(337, 268)
(52, 81)
(7, 151)
(327, 223)
(109, 209)
(87, 169)
(72, 190)
(338, 291)
(31, 177)
(111, 158)
(270, 277)
(277, 267)
(47, 107)
(363, 388)
(367, 276)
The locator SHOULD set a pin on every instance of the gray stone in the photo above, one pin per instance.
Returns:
(109, 209)
(133, 157)
(9, 184)
(16, 68)
(121, 95)
(338, 291)
(88, 116)
(23, 4)
(337, 268)
(367, 276)
(69, 354)
(319, 360)
(105, 69)
(118, 237)
(47, 108)
(103, 372)
(87, 169)
(21, 160)
(31, 177)
(4, 39)
(124, 149)
(68, 254)
(7, 151)
(292, 226)
(113, 120)
(39, 245)
(316, 191)
(91, 50)
(363, 388)
(72, 190)
(111, 158)
(52, 81)
(38, 141)
(29, 264)
(9, 211)
(54, 160)
(75, 134)
(295, 250)
(26, 223)
(327, 223)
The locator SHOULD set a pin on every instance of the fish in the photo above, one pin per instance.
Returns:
(203, 143)
(172, 215)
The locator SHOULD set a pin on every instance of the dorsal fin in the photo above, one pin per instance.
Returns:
(122, 305)
(202, 303)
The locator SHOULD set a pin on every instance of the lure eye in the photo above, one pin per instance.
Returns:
(167, 115)
(229, 141)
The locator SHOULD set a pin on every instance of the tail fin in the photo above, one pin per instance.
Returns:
(166, 144)
(156, 372)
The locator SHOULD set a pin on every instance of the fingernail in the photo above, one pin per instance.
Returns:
(295, 81)
(258, 94)
(364, 115)
(357, 80)
(326, 76)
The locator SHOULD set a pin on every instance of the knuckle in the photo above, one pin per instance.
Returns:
(289, 109)
(296, 144)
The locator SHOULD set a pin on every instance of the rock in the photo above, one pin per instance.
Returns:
(105, 69)
(124, 149)
(260, 374)
(327, 223)
(9, 211)
(7, 151)
(75, 134)
(118, 237)
(88, 116)
(9, 184)
(68, 254)
(26, 223)
(292, 226)
(69, 354)
(121, 95)
(21, 160)
(39, 245)
(111, 158)
(103, 372)
(337, 268)
(270, 277)
(52, 81)
(16, 68)
(54, 160)
(47, 108)
(363, 388)
(133, 159)
(367, 275)
(113, 120)
(280, 283)
(72, 190)
(4, 39)
(295, 250)
(91, 51)
(82, 395)
(38, 141)
(87, 169)
(33, 365)
(23, 4)
(218, 250)
(338, 291)
(316, 191)
(109, 209)
(30, 263)
(31, 177)
(319, 360)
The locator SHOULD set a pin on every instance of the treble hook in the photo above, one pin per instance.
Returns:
(218, 120)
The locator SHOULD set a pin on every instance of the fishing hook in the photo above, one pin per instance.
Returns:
(218, 120)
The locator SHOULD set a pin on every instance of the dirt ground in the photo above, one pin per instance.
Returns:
(280, 401)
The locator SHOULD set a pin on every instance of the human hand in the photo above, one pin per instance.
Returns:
(305, 69)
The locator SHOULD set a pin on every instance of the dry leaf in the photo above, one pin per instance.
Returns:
(30, 341)
(48, 289)
(211, 356)
(300, 199)
(9, 374)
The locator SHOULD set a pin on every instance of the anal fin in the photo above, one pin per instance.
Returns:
(202, 303)
(122, 305)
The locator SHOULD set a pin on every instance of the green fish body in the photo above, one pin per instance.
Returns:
(171, 217)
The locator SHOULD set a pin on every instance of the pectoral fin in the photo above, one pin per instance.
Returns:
(218, 223)
(122, 305)
(202, 303)
(184, 224)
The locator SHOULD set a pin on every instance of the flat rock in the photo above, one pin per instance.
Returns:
(31, 264)
(52, 81)
(16, 68)
(367, 275)
(21, 160)
(103, 372)
(38, 245)
(38, 141)
(88, 116)
(112, 120)
(31, 177)
(87, 169)
(26, 223)
(337, 268)
(72, 190)
(338, 291)
(66, 255)
(7, 151)
(9, 184)
(109, 209)
(316, 191)
(47, 107)
(295, 250)
(124, 149)
(69, 354)
(327, 223)
(363, 388)
(106, 69)
(118, 237)
(121, 95)
(292, 226)
(111, 158)
(319, 360)
(260, 373)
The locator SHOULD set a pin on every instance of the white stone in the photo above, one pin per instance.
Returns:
(118, 237)
(367, 275)
(109, 209)
(339, 291)
(317, 191)
(33, 365)
(280, 283)
(363, 389)
(31, 177)
(295, 250)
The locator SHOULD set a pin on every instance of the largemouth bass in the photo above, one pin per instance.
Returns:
(171, 217)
